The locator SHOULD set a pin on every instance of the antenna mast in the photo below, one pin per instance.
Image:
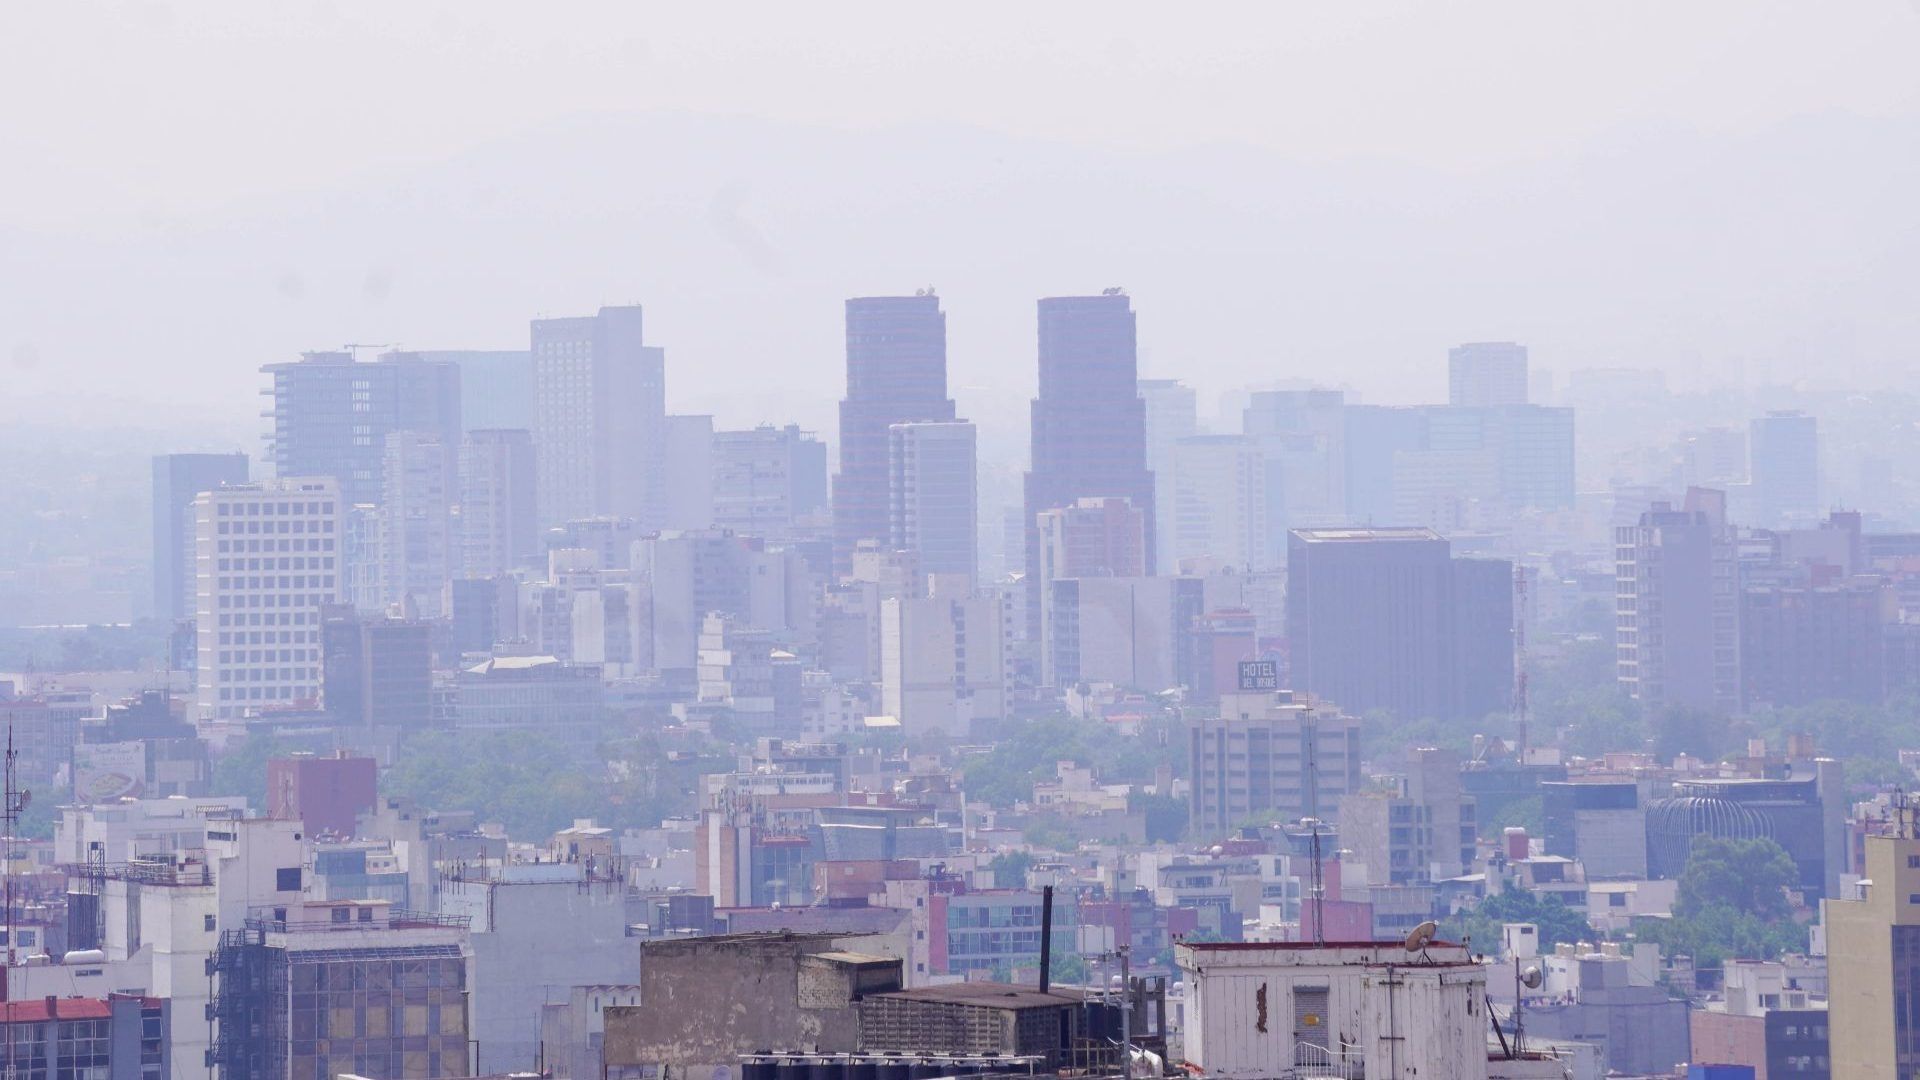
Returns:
(10, 810)
(1318, 890)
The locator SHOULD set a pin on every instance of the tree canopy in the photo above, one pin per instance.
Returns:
(1556, 921)
(1749, 876)
(1731, 904)
(1006, 774)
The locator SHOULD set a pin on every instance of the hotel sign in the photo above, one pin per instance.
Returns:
(1257, 675)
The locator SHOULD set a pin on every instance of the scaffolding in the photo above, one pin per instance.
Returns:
(247, 1012)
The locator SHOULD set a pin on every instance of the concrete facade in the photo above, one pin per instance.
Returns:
(536, 930)
(705, 1001)
(1259, 1010)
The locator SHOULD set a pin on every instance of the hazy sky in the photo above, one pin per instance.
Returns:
(186, 152)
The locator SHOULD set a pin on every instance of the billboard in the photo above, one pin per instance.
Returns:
(103, 772)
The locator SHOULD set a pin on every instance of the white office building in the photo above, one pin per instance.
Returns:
(416, 525)
(1219, 501)
(1487, 373)
(266, 561)
(599, 427)
(1173, 413)
(943, 661)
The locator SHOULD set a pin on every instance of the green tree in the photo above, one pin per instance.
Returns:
(1556, 921)
(242, 770)
(1719, 933)
(1681, 730)
(37, 820)
(1066, 968)
(1731, 904)
(1749, 876)
(1006, 774)
(1010, 869)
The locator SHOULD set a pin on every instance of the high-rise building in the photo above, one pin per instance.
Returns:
(1801, 643)
(1487, 373)
(1387, 619)
(499, 507)
(696, 574)
(1873, 946)
(266, 564)
(1714, 457)
(734, 670)
(416, 543)
(1302, 439)
(1451, 467)
(177, 480)
(377, 672)
(1677, 606)
(1269, 752)
(1134, 632)
(1785, 469)
(496, 385)
(943, 662)
(1173, 413)
(768, 481)
(599, 425)
(1089, 423)
(690, 480)
(933, 499)
(1220, 502)
(332, 415)
(1093, 537)
(896, 373)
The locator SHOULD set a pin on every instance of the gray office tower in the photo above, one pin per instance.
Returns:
(1784, 466)
(332, 415)
(177, 478)
(600, 419)
(496, 385)
(896, 374)
(1089, 424)
(1487, 373)
(1677, 606)
(1387, 620)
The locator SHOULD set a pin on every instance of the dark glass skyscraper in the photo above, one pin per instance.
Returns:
(896, 374)
(1089, 423)
(1386, 619)
(332, 415)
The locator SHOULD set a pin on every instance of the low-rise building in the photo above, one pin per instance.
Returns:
(533, 927)
(121, 1037)
(1376, 1009)
(705, 1001)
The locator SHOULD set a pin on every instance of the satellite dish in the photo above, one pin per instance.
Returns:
(1422, 935)
(1530, 978)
